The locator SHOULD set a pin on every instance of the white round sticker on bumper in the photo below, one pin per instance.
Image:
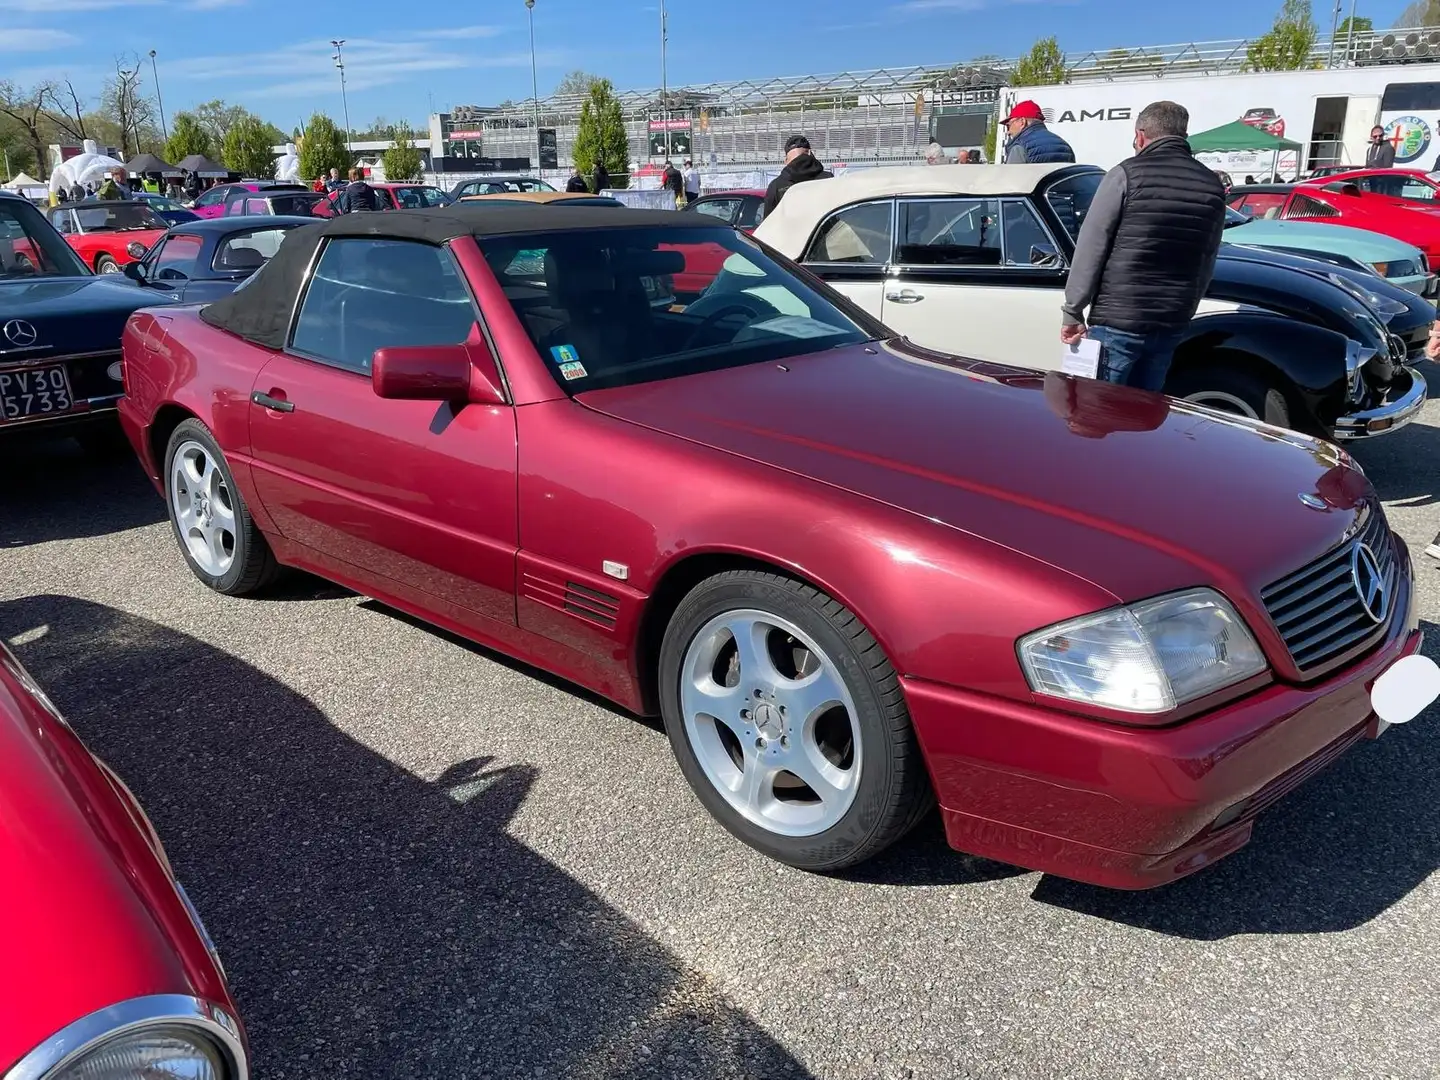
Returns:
(1406, 689)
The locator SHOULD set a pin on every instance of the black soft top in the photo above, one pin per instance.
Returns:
(260, 312)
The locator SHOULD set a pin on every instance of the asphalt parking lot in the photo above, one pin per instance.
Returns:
(420, 860)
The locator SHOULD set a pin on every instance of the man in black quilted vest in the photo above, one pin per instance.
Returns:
(1146, 252)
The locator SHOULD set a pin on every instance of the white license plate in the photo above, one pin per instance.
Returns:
(1404, 690)
(34, 392)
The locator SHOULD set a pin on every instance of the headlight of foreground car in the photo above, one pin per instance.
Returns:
(1144, 658)
(159, 1052)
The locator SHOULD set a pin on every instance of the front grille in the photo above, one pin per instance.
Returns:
(1318, 610)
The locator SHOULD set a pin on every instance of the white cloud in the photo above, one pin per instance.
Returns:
(460, 33)
(16, 40)
(53, 7)
(211, 5)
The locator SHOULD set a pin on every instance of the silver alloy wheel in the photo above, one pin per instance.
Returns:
(1220, 401)
(109, 267)
(204, 513)
(780, 741)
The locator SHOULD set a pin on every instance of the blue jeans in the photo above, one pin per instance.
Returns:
(1138, 360)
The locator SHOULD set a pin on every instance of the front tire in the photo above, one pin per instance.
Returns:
(1230, 390)
(106, 265)
(212, 524)
(788, 722)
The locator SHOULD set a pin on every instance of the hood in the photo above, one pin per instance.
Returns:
(805, 167)
(1136, 493)
(73, 315)
(1370, 247)
(75, 924)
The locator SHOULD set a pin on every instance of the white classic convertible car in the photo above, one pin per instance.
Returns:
(972, 260)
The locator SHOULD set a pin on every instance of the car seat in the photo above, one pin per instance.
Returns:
(608, 320)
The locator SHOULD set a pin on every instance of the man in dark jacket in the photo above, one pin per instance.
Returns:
(1380, 154)
(357, 196)
(1030, 141)
(672, 181)
(1146, 252)
(600, 178)
(800, 166)
(576, 185)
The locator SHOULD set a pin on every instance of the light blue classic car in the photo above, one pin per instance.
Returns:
(1398, 262)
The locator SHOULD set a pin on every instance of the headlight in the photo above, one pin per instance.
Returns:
(1380, 309)
(160, 1052)
(1144, 658)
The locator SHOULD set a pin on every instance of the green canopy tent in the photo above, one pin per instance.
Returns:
(1239, 137)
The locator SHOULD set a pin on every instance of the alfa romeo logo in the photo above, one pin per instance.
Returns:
(1410, 135)
(1370, 583)
(20, 333)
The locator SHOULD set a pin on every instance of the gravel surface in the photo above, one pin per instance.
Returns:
(421, 860)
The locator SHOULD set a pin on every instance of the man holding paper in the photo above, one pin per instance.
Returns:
(1146, 252)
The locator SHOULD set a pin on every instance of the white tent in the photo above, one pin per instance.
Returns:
(83, 168)
(23, 181)
(287, 166)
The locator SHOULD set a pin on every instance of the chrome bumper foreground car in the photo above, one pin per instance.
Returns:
(1400, 403)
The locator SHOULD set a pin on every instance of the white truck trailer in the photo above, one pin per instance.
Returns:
(1328, 112)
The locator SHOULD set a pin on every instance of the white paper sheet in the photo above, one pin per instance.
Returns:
(1082, 358)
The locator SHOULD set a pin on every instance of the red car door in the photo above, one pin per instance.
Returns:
(412, 496)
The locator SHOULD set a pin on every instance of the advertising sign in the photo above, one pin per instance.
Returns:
(670, 138)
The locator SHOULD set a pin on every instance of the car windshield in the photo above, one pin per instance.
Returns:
(159, 202)
(524, 183)
(1071, 197)
(30, 247)
(247, 252)
(1233, 217)
(117, 216)
(584, 300)
(417, 198)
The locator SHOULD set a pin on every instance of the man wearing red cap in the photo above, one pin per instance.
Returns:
(1030, 142)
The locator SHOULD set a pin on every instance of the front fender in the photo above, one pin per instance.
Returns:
(1306, 362)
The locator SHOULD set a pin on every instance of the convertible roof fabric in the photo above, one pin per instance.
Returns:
(260, 312)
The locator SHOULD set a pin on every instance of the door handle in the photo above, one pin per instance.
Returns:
(905, 296)
(268, 402)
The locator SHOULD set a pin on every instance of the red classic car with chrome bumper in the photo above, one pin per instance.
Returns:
(1103, 628)
(110, 973)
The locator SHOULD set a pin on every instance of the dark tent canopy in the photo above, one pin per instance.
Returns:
(145, 164)
(260, 312)
(199, 163)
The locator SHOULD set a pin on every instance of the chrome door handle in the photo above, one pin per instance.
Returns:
(905, 296)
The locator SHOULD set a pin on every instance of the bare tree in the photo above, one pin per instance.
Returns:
(27, 108)
(1420, 13)
(123, 102)
(69, 118)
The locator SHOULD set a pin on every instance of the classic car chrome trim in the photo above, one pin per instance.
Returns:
(1395, 413)
(157, 1010)
(49, 360)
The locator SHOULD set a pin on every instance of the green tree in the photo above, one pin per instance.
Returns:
(1044, 65)
(601, 135)
(576, 84)
(247, 148)
(186, 137)
(323, 148)
(1420, 13)
(402, 161)
(1290, 42)
(991, 131)
(1362, 26)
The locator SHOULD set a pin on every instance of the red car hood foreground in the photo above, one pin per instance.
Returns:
(87, 920)
(1135, 492)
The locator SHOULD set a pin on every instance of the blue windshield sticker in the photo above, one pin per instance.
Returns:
(564, 354)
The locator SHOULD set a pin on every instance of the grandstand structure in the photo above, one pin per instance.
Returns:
(864, 117)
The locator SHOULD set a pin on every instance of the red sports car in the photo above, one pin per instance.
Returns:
(852, 575)
(112, 972)
(1338, 200)
(1412, 188)
(103, 232)
(393, 196)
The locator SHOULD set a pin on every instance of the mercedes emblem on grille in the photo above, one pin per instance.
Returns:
(1370, 583)
(19, 332)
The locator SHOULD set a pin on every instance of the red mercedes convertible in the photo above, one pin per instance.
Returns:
(109, 972)
(1103, 629)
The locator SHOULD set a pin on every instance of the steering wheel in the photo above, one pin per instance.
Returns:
(709, 321)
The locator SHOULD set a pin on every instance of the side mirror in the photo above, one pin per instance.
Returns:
(135, 271)
(136, 249)
(1044, 255)
(457, 373)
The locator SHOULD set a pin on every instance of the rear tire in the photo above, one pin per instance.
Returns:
(218, 538)
(788, 721)
(1230, 390)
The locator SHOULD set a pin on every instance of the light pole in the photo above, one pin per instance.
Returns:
(339, 59)
(534, 84)
(664, 87)
(165, 131)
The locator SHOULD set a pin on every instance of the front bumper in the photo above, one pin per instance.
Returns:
(1131, 807)
(1403, 403)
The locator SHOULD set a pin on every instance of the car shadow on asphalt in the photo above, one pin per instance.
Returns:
(1340, 851)
(373, 924)
(1405, 465)
(51, 490)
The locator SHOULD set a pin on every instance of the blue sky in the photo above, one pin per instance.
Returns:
(401, 57)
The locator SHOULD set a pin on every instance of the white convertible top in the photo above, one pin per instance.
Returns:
(790, 224)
